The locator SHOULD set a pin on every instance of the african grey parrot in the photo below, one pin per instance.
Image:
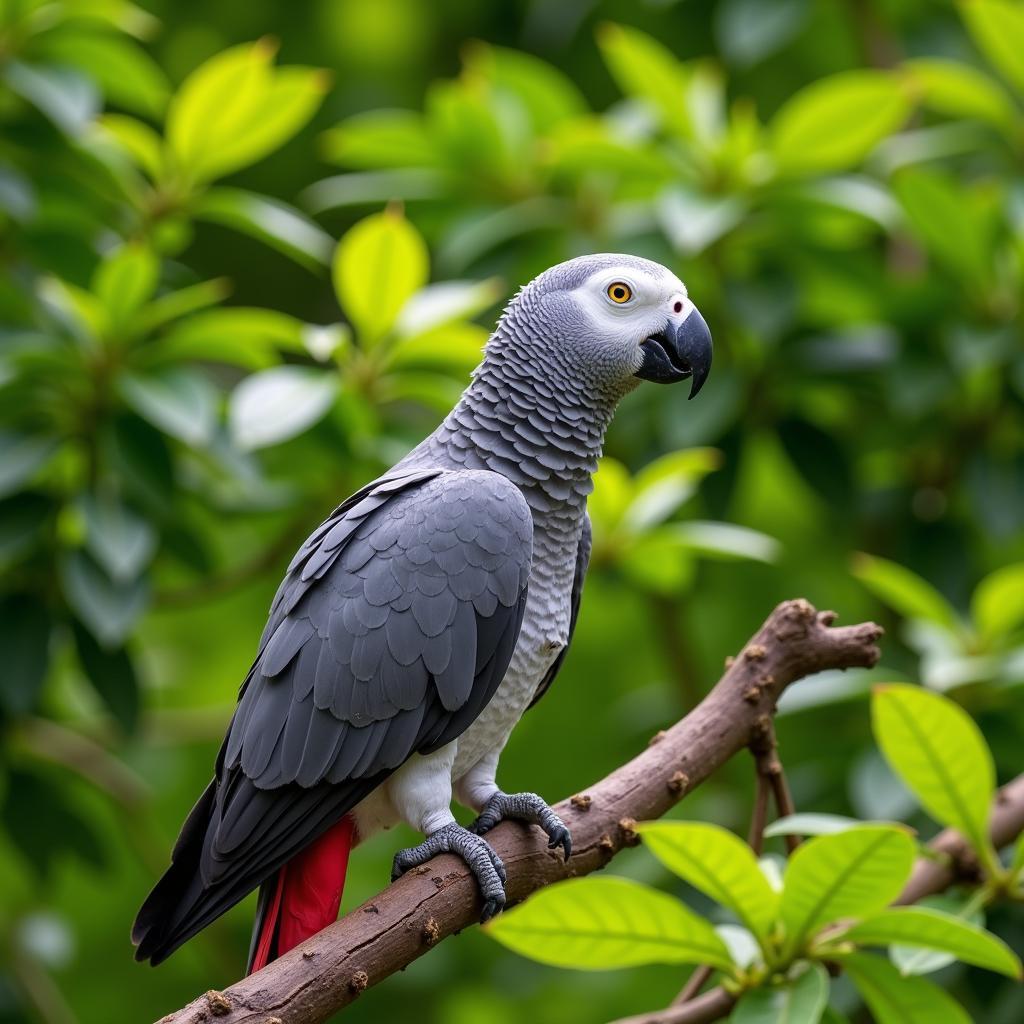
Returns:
(423, 617)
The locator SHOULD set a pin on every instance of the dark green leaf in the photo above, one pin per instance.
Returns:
(181, 402)
(25, 642)
(66, 97)
(798, 1001)
(895, 999)
(112, 675)
(820, 460)
(109, 609)
(20, 456)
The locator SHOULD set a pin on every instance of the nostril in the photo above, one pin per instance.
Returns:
(678, 307)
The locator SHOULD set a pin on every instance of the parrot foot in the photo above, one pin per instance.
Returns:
(485, 864)
(524, 807)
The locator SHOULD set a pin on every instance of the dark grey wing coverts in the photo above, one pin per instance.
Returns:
(582, 561)
(390, 633)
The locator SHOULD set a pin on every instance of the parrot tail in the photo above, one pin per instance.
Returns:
(303, 897)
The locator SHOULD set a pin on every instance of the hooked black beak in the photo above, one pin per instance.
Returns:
(681, 350)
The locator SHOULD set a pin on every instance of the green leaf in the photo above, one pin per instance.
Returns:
(748, 30)
(379, 264)
(943, 215)
(903, 590)
(112, 675)
(725, 541)
(270, 221)
(66, 97)
(109, 609)
(125, 281)
(236, 108)
(174, 305)
(833, 123)
(118, 538)
(656, 560)
(938, 751)
(275, 405)
(666, 483)
(381, 138)
(128, 76)
(137, 139)
(809, 825)
(605, 923)
(997, 26)
(895, 999)
(239, 336)
(21, 455)
(717, 863)
(847, 874)
(648, 70)
(437, 305)
(959, 90)
(25, 641)
(799, 1001)
(180, 402)
(457, 348)
(997, 605)
(932, 929)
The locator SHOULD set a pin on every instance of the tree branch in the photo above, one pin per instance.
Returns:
(429, 903)
(928, 877)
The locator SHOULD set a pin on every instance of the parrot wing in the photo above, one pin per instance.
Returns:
(394, 625)
(582, 561)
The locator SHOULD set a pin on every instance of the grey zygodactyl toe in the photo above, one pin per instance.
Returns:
(481, 859)
(524, 807)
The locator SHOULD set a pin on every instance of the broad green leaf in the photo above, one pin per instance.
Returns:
(847, 874)
(439, 304)
(895, 999)
(457, 348)
(240, 336)
(932, 929)
(123, 70)
(435, 391)
(137, 139)
(646, 69)
(112, 675)
(179, 401)
(666, 483)
(24, 518)
(942, 214)
(371, 188)
(959, 90)
(961, 905)
(798, 1001)
(379, 264)
(174, 305)
(25, 641)
(117, 537)
(381, 138)
(269, 220)
(717, 863)
(749, 30)
(613, 489)
(998, 28)
(903, 590)
(109, 609)
(741, 943)
(275, 405)
(997, 605)
(809, 825)
(725, 541)
(655, 560)
(237, 108)
(605, 923)
(833, 123)
(125, 281)
(938, 751)
(67, 98)
(21, 455)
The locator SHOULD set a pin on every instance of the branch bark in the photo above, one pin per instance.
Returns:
(928, 877)
(426, 905)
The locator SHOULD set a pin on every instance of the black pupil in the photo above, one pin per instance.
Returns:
(620, 292)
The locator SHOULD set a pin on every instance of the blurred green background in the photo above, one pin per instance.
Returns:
(192, 374)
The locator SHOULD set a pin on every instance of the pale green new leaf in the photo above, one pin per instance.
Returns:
(938, 751)
(125, 281)
(275, 405)
(895, 999)
(847, 874)
(903, 590)
(932, 929)
(137, 139)
(717, 863)
(809, 825)
(798, 1001)
(605, 923)
(379, 264)
(959, 90)
(833, 123)
(998, 28)
(997, 605)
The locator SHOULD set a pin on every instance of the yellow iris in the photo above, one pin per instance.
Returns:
(619, 291)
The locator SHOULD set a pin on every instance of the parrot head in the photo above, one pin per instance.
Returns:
(617, 319)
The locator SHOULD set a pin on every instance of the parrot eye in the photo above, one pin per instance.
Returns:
(619, 292)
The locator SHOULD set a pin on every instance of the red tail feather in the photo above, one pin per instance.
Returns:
(307, 895)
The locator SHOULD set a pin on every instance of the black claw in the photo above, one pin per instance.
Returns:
(561, 837)
(491, 909)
